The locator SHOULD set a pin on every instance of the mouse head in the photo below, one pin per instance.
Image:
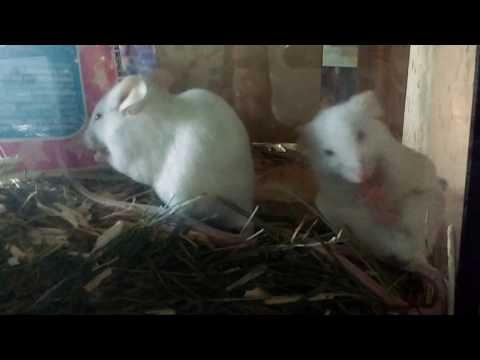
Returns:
(125, 102)
(348, 139)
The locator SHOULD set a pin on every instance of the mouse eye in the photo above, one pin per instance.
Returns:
(361, 136)
(329, 152)
(98, 116)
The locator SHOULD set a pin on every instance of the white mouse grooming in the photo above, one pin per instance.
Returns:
(387, 195)
(184, 146)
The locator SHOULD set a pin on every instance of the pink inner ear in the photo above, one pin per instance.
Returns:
(121, 91)
(123, 97)
(131, 91)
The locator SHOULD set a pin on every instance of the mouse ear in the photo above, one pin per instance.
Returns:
(129, 95)
(367, 101)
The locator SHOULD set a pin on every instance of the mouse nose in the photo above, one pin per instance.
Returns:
(354, 174)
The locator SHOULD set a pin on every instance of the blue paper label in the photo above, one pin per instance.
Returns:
(41, 93)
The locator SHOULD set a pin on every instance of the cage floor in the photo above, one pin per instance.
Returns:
(64, 254)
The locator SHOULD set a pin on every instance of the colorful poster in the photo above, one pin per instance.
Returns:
(47, 93)
(41, 93)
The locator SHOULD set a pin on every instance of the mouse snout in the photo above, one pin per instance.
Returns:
(92, 142)
(360, 172)
(360, 168)
(354, 173)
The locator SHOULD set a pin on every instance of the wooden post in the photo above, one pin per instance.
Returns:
(438, 113)
(439, 107)
(384, 68)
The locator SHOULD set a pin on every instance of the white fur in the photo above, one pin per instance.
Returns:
(411, 183)
(184, 146)
(335, 129)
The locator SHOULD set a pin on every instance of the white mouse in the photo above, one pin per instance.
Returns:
(386, 194)
(184, 146)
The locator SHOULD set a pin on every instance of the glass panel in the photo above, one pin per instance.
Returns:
(233, 179)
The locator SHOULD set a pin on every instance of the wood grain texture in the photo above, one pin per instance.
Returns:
(438, 114)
